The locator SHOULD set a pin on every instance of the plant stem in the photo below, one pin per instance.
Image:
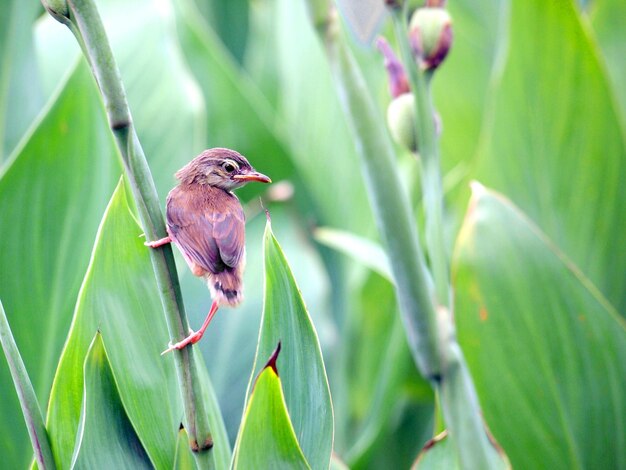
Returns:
(429, 151)
(426, 312)
(456, 391)
(85, 23)
(394, 218)
(26, 394)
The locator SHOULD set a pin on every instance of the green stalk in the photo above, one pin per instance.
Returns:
(391, 207)
(429, 151)
(425, 309)
(456, 392)
(83, 19)
(26, 394)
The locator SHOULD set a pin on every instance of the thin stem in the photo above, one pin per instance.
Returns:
(429, 151)
(394, 219)
(26, 394)
(456, 391)
(84, 21)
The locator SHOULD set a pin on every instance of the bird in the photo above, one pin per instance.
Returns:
(205, 221)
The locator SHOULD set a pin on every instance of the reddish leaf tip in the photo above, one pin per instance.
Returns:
(273, 358)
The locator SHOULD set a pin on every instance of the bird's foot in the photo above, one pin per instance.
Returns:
(194, 337)
(158, 243)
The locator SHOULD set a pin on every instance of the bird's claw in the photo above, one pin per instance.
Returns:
(158, 243)
(191, 339)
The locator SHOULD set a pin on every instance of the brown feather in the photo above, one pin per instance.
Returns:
(208, 226)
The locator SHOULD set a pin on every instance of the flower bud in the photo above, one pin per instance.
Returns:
(401, 121)
(398, 83)
(430, 33)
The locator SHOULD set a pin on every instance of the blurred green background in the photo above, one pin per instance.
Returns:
(533, 104)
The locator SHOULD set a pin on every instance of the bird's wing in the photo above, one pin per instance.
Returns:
(213, 237)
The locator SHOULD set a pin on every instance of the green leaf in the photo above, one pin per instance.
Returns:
(119, 297)
(285, 319)
(362, 250)
(607, 20)
(267, 438)
(438, 453)
(546, 350)
(21, 97)
(554, 144)
(184, 458)
(230, 21)
(106, 438)
(52, 195)
(479, 34)
(26, 394)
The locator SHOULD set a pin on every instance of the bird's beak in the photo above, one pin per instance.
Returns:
(253, 176)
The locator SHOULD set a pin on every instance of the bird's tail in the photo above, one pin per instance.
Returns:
(226, 287)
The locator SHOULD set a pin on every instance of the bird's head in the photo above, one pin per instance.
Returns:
(222, 168)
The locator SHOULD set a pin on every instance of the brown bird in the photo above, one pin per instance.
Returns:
(206, 222)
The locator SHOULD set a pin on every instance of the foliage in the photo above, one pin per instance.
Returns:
(532, 103)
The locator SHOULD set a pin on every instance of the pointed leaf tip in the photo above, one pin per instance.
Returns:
(271, 362)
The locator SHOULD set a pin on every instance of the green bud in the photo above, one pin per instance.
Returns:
(430, 32)
(401, 121)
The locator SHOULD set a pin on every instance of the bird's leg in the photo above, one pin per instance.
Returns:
(194, 337)
(158, 243)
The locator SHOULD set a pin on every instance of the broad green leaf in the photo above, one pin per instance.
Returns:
(184, 458)
(554, 144)
(119, 297)
(607, 19)
(106, 438)
(165, 101)
(21, 97)
(546, 350)
(52, 194)
(26, 395)
(285, 319)
(267, 438)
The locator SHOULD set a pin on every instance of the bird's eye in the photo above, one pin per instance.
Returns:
(229, 166)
